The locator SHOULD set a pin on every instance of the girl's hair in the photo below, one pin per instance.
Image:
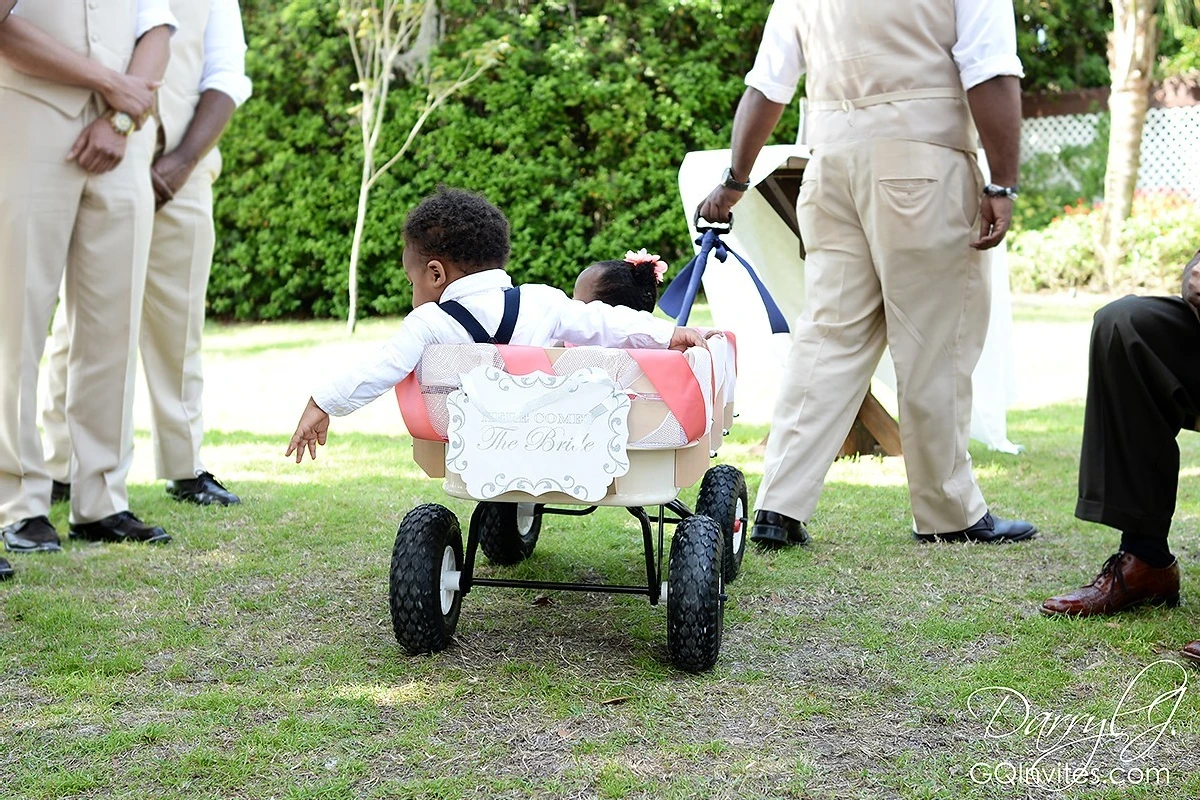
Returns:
(620, 283)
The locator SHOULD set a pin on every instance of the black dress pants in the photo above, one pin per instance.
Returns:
(1143, 388)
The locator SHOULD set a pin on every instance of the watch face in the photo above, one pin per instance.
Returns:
(122, 122)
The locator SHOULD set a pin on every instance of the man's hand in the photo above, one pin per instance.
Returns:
(312, 430)
(683, 338)
(132, 94)
(1191, 283)
(99, 148)
(997, 219)
(168, 175)
(718, 206)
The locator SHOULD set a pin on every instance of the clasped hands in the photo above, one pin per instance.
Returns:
(99, 147)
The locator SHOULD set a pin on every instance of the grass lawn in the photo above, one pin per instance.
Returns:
(254, 658)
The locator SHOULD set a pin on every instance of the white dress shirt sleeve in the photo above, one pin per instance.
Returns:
(600, 324)
(351, 389)
(225, 52)
(780, 60)
(987, 41)
(152, 13)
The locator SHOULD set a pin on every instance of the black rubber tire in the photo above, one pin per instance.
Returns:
(722, 489)
(415, 583)
(500, 538)
(695, 608)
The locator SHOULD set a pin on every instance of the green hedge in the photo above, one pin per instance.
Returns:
(578, 136)
(1161, 238)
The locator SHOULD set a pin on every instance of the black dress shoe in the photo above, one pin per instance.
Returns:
(989, 530)
(6, 570)
(120, 527)
(204, 490)
(773, 531)
(32, 535)
(59, 492)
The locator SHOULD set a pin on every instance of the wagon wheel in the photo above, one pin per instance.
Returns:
(695, 605)
(423, 587)
(508, 532)
(723, 498)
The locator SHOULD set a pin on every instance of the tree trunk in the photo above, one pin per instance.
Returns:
(1131, 50)
(364, 190)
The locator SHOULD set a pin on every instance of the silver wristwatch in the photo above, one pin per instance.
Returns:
(993, 190)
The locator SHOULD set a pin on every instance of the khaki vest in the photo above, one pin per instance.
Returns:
(180, 94)
(883, 69)
(102, 30)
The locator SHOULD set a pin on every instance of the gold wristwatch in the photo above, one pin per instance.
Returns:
(122, 123)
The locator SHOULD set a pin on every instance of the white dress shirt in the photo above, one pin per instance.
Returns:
(986, 47)
(225, 52)
(546, 318)
(150, 14)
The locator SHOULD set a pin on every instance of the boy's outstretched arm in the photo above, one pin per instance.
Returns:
(310, 432)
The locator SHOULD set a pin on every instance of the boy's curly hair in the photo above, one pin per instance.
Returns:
(460, 227)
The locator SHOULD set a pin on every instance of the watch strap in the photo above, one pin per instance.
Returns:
(730, 182)
(995, 190)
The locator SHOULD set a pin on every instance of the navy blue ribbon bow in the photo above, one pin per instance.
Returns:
(677, 300)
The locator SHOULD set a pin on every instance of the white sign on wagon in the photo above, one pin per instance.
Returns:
(538, 433)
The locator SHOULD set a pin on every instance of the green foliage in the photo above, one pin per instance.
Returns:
(285, 203)
(1160, 237)
(578, 137)
(1063, 43)
(1052, 181)
(1184, 56)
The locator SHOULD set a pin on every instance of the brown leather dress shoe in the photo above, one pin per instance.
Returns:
(1192, 651)
(1124, 581)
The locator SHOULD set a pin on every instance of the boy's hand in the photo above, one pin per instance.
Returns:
(312, 430)
(683, 338)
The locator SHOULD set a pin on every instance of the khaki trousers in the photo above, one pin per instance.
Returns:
(53, 214)
(181, 252)
(886, 224)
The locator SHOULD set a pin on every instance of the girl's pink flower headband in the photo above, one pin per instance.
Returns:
(642, 257)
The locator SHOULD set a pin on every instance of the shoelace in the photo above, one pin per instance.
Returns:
(211, 477)
(1110, 566)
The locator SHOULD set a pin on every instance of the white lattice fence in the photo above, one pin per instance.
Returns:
(1170, 144)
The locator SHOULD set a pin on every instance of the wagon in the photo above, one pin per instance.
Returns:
(533, 433)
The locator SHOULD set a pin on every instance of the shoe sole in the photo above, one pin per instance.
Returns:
(1195, 659)
(958, 538)
(774, 541)
(184, 498)
(166, 537)
(1170, 601)
(41, 548)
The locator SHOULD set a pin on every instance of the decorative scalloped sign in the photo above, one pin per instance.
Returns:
(538, 433)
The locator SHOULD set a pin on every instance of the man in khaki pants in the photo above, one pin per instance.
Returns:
(205, 82)
(6, 6)
(888, 209)
(76, 79)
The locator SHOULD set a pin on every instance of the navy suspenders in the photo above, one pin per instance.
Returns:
(508, 323)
